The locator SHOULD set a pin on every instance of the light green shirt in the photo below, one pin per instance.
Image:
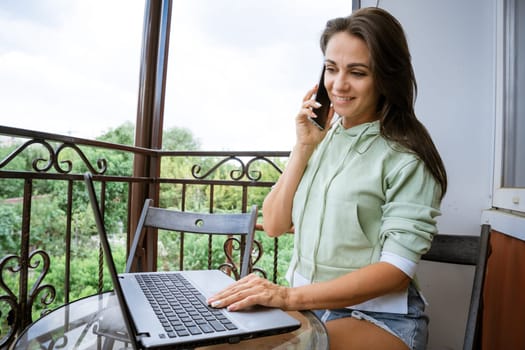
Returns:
(360, 195)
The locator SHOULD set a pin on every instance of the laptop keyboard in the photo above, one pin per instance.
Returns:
(181, 309)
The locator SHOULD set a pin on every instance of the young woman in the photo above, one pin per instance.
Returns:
(362, 196)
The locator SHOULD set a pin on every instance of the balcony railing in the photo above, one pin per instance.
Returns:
(48, 227)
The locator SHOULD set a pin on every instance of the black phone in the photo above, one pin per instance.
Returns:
(322, 97)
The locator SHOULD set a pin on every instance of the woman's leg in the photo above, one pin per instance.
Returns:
(354, 334)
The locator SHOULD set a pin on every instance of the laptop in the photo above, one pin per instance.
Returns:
(148, 327)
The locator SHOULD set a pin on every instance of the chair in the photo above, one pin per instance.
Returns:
(465, 250)
(238, 224)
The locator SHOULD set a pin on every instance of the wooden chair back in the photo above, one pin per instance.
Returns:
(231, 224)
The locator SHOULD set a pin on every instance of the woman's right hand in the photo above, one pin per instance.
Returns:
(306, 132)
(277, 206)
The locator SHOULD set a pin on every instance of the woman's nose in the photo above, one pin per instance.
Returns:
(340, 83)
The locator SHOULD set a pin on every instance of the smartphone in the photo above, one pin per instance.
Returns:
(322, 97)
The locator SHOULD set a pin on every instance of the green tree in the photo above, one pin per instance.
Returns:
(9, 228)
(122, 135)
(179, 139)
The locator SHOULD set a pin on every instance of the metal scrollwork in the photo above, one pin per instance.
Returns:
(14, 317)
(231, 244)
(60, 343)
(9, 299)
(257, 253)
(255, 175)
(101, 163)
(234, 244)
(37, 161)
(236, 174)
(10, 320)
(65, 166)
(37, 289)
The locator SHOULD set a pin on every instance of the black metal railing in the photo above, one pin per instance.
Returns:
(46, 227)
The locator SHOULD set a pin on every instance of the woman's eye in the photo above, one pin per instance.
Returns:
(358, 74)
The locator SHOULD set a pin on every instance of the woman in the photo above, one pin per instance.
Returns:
(362, 196)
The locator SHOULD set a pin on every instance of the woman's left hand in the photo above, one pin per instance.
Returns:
(249, 291)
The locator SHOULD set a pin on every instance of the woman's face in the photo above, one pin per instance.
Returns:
(348, 79)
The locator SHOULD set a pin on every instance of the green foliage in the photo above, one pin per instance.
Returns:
(122, 135)
(9, 229)
(196, 253)
(179, 139)
(85, 274)
(11, 188)
(47, 224)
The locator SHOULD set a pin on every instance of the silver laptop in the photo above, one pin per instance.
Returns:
(163, 317)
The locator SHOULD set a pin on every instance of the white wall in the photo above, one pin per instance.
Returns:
(453, 51)
(452, 44)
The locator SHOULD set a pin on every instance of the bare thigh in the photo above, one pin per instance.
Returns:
(354, 334)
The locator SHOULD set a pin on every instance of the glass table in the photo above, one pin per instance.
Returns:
(79, 325)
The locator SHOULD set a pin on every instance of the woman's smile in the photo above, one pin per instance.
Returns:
(349, 79)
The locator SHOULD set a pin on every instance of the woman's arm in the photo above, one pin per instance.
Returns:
(277, 206)
(353, 288)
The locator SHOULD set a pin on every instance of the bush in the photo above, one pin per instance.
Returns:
(196, 253)
(84, 279)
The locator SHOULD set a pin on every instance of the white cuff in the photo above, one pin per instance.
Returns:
(407, 266)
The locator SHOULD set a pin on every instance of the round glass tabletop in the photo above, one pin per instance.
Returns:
(96, 322)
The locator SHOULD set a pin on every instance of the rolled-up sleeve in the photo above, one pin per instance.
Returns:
(412, 200)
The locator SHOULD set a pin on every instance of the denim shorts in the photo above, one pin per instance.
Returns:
(411, 328)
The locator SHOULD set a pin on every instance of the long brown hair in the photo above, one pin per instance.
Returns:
(395, 81)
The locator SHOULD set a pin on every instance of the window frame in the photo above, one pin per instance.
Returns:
(510, 198)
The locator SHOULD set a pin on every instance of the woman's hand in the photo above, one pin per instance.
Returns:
(249, 291)
(307, 133)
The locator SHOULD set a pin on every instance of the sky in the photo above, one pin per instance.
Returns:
(237, 71)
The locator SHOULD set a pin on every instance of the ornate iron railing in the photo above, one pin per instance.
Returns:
(47, 168)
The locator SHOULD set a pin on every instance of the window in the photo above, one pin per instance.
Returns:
(238, 70)
(509, 180)
(70, 67)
